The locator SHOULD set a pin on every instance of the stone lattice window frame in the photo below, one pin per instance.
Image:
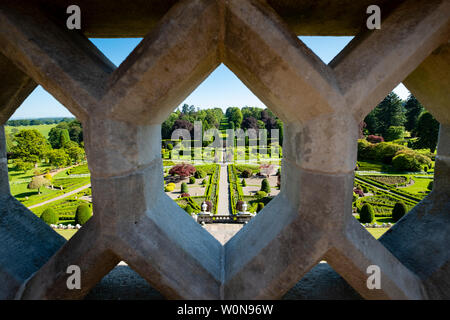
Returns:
(321, 105)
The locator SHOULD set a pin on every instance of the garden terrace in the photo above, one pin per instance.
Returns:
(321, 106)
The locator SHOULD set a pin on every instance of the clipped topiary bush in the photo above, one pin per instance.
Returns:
(399, 211)
(247, 173)
(239, 205)
(189, 209)
(385, 151)
(200, 174)
(265, 186)
(83, 214)
(191, 180)
(406, 162)
(184, 188)
(209, 206)
(260, 194)
(366, 150)
(169, 188)
(366, 214)
(49, 216)
(243, 183)
(260, 206)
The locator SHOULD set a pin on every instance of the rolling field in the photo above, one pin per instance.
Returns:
(44, 129)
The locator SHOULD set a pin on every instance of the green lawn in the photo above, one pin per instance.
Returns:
(373, 166)
(420, 184)
(19, 182)
(377, 232)
(66, 233)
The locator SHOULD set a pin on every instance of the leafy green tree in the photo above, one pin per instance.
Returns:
(74, 151)
(9, 138)
(37, 183)
(21, 165)
(30, 146)
(394, 133)
(413, 110)
(54, 137)
(64, 138)
(371, 122)
(58, 158)
(234, 115)
(427, 132)
(75, 131)
(167, 126)
(390, 112)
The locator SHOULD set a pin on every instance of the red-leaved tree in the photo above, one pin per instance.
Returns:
(183, 170)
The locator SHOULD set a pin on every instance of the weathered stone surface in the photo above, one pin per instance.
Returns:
(121, 110)
(65, 63)
(15, 86)
(408, 35)
(26, 245)
(122, 283)
(137, 18)
(430, 81)
(322, 283)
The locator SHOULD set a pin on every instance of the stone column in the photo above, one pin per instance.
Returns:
(442, 168)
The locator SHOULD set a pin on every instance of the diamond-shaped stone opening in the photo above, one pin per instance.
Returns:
(396, 160)
(46, 162)
(218, 157)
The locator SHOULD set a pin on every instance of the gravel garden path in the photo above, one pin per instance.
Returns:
(224, 207)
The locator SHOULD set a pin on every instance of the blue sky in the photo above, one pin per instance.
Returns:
(221, 89)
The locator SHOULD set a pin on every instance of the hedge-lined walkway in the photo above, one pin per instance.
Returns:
(68, 194)
(224, 207)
